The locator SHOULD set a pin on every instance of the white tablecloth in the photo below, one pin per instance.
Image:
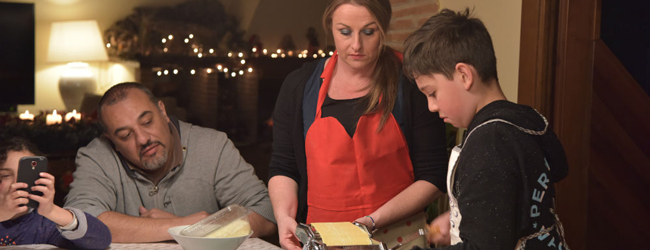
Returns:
(249, 244)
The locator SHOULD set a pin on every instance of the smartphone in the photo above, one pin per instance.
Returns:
(29, 168)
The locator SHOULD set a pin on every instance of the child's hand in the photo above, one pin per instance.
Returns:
(439, 230)
(11, 199)
(44, 185)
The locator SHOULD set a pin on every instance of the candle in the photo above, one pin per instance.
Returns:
(53, 118)
(26, 116)
(73, 114)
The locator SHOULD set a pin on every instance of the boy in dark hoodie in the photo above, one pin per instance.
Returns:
(501, 185)
(68, 228)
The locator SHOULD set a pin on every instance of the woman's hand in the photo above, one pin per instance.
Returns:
(439, 230)
(287, 233)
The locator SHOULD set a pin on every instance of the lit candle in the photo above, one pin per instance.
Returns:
(26, 116)
(53, 118)
(73, 114)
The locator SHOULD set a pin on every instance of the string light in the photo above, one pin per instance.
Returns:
(200, 55)
(166, 72)
(211, 51)
(191, 36)
(331, 53)
(241, 54)
(320, 51)
(225, 70)
(282, 55)
(164, 40)
(229, 54)
(322, 55)
(250, 70)
(233, 74)
(241, 72)
(192, 71)
(219, 67)
(196, 50)
(187, 40)
(274, 55)
(242, 61)
(108, 45)
(170, 37)
(175, 71)
(254, 49)
(165, 50)
(264, 51)
(315, 55)
(209, 70)
(159, 73)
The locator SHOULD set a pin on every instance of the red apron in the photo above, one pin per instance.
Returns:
(353, 177)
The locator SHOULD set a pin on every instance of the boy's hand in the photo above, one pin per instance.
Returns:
(11, 201)
(44, 185)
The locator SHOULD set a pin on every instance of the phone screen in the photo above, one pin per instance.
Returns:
(29, 168)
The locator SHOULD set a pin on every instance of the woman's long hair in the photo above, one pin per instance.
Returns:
(387, 69)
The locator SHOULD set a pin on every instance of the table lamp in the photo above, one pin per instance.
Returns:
(76, 42)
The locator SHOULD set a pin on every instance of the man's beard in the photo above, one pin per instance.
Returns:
(156, 162)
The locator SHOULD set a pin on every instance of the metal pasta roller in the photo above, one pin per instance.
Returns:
(337, 235)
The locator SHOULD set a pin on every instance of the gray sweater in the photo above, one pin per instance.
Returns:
(212, 176)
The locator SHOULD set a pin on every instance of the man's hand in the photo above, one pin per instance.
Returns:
(44, 185)
(287, 233)
(11, 200)
(439, 230)
(155, 214)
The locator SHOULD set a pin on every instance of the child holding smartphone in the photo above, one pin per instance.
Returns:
(48, 224)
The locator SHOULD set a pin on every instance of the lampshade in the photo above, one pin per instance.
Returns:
(76, 41)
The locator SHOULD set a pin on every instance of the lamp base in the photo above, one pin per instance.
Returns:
(75, 83)
(73, 89)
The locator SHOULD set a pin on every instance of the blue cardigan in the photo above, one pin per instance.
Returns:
(33, 228)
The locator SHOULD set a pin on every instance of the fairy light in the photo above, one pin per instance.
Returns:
(219, 67)
(282, 55)
(225, 70)
(164, 40)
(331, 53)
(192, 72)
(241, 72)
(279, 51)
(315, 55)
(175, 71)
(165, 50)
(196, 50)
(170, 37)
(166, 72)
(229, 54)
(290, 52)
(159, 73)
(200, 55)
(264, 51)
(240, 54)
(187, 40)
(274, 55)
(108, 45)
(254, 49)
(250, 70)
(211, 51)
(242, 61)
(191, 36)
(209, 70)
(323, 55)
(320, 51)
(233, 74)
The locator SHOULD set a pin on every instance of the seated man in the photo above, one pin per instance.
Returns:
(150, 172)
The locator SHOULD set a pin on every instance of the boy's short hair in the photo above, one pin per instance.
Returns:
(446, 39)
(16, 144)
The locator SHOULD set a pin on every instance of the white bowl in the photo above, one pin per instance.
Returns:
(201, 243)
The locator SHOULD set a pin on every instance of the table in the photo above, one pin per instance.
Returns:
(249, 244)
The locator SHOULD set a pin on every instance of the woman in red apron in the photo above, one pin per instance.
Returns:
(352, 140)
